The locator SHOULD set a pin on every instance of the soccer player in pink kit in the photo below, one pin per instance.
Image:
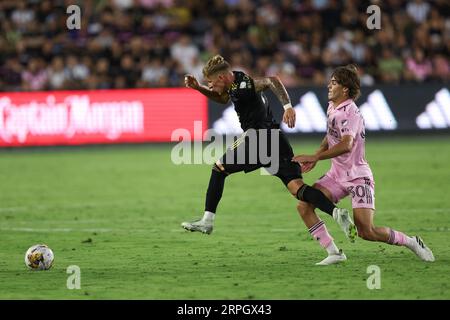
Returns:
(350, 173)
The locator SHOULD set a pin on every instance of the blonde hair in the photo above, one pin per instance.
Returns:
(214, 65)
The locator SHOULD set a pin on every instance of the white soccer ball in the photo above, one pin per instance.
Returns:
(39, 257)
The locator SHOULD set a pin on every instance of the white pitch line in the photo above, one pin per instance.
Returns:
(99, 230)
(62, 206)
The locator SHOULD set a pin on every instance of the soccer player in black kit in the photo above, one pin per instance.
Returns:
(254, 114)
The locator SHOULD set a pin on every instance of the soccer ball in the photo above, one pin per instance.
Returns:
(39, 257)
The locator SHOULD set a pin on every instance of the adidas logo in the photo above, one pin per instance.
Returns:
(437, 112)
(310, 116)
(376, 113)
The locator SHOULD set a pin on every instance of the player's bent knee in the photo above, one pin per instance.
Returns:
(302, 205)
(303, 208)
(294, 185)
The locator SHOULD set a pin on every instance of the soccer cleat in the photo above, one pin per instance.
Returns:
(343, 219)
(421, 250)
(198, 225)
(332, 259)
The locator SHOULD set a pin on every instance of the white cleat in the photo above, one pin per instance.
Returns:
(421, 250)
(199, 225)
(344, 220)
(333, 259)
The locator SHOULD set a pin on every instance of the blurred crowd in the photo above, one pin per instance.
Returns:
(153, 43)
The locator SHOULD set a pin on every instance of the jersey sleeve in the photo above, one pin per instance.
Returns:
(349, 123)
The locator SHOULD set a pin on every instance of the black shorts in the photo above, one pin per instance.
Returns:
(253, 150)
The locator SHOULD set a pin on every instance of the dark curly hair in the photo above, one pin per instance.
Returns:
(347, 77)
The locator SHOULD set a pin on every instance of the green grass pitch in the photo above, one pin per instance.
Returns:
(116, 211)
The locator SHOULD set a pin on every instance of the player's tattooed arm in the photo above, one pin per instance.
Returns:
(277, 87)
(274, 83)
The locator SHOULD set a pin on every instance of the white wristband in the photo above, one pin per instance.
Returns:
(287, 106)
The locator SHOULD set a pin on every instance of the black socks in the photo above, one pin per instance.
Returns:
(215, 190)
(316, 198)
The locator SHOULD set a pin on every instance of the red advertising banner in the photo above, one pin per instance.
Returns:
(97, 117)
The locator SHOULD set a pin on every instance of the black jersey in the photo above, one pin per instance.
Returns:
(252, 107)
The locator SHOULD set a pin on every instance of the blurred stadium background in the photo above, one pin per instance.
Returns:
(118, 79)
(153, 43)
(148, 44)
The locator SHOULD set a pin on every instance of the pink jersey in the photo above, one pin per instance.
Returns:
(343, 120)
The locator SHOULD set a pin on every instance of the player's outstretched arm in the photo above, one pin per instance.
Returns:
(191, 82)
(308, 166)
(344, 146)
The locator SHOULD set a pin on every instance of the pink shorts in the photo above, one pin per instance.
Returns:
(362, 190)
